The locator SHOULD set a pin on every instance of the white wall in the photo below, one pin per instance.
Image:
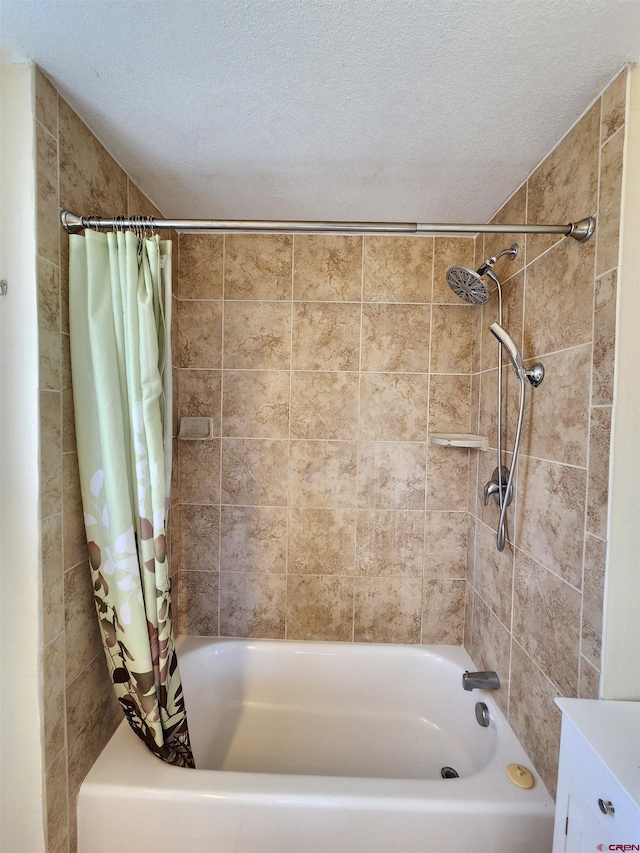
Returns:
(620, 671)
(21, 781)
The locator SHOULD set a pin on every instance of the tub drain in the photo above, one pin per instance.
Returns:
(449, 773)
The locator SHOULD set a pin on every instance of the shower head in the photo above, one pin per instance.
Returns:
(510, 345)
(468, 284)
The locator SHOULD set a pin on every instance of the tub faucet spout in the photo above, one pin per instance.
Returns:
(480, 680)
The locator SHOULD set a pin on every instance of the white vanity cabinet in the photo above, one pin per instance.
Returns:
(598, 799)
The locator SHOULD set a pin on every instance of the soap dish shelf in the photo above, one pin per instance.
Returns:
(459, 439)
(195, 429)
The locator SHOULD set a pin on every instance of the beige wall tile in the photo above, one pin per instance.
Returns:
(200, 266)
(447, 252)
(447, 477)
(323, 474)
(512, 212)
(546, 622)
(91, 182)
(93, 713)
(557, 315)
(494, 573)
(50, 453)
(257, 335)
(534, 716)
(471, 549)
(327, 267)
(445, 545)
(74, 536)
(443, 611)
(82, 635)
(393, 406)
(199, 471)
(65, 346)
(595, 556)
(604, 339)
(549, 511)
(254, 472)
(258, 266)
(468, 616)
(53, 685)
(199, 395)
(321, 541)
(324, 405)
(49, 325)
(395, 338)
(557, 418)
(139, 205)
(326, 336)
(387, 610)
(449, 403)
(253, 605)
(68, 422)
(199, 538)
(391, 475)
(598, 485)
(198, 595)
(397, 269)
(451, 338)
(564, 187)
(256, 403)
(46, 103)
(589, 687)
(608, 230)
(490, 648)
(319, 608)
(52, 582)
(253, 539)
(56, 802)
(390, 543)
(47, 222)
(613, 106)
(72, 817)
(200, 333)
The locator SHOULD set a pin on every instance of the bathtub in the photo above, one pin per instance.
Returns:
(306, 747)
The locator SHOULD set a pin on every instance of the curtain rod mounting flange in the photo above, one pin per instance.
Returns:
(581, 230)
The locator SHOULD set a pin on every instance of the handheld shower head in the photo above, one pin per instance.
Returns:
(535, 375)
(510, 345)
(468, 284)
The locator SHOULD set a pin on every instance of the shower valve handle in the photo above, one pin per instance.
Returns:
(493, 487)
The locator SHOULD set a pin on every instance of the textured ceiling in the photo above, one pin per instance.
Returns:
(428, 110)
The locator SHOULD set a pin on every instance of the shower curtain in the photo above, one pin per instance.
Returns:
(119, 310)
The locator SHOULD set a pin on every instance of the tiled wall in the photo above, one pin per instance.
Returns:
(80, 710)
(534, 612)
(318, 510)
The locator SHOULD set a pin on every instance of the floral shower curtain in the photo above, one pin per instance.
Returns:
(119, 307)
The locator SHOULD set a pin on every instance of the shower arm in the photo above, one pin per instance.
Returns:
(582, 230)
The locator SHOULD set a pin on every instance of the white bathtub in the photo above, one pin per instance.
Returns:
(319, 748)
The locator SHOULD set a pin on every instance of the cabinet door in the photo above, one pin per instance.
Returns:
(584, 832)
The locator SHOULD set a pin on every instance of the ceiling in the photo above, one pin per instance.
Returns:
(415, 110)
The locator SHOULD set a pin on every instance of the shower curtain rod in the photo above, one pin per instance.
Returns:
(73, 224)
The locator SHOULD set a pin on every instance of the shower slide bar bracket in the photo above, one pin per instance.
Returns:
(73, 224)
